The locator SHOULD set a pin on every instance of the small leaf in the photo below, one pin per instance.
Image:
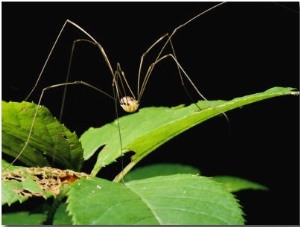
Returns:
(23, 218)
(161, 169)
(235, 184)
(49, 138)
(168, 200)
(61, 216)
(151, 127)
(37, 216)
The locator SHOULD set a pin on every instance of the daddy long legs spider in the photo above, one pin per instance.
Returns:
(122, 90)
(258, 48)
(110, 55)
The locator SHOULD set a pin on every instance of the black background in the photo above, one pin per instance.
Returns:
(234, 50)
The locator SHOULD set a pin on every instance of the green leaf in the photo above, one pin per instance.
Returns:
(235, 184)
(161, 169)
(146, 130)
(22, 218)
(174, 199)
(61, 216)
(37, 216)
(49, 138)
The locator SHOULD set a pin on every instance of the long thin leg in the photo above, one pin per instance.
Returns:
(186, 23)
(123, 77)
(128, 103)
(54, 45)
(184, 73)
(142, 60)
(168, 41)
(69, 72)
(173, 56)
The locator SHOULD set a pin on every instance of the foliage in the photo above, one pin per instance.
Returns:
(158, 194)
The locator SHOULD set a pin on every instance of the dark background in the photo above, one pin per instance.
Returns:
(234, 50)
